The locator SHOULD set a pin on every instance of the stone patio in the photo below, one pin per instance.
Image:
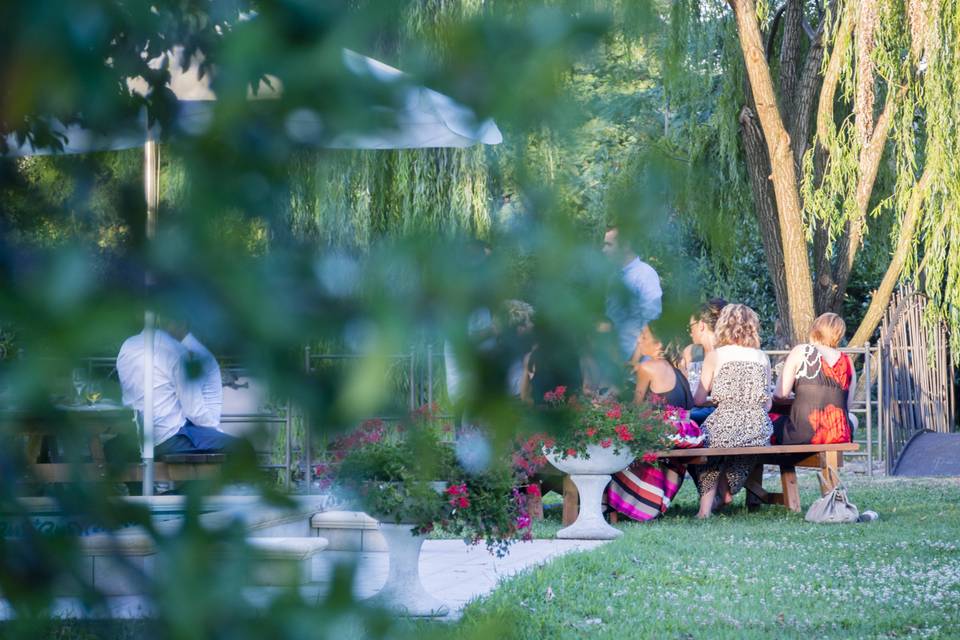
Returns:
(449, 570)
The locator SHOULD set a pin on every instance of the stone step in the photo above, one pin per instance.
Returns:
(117, 564)
(284, 561)
(348, 531)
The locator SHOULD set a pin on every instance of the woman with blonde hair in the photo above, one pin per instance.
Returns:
(821, 377)
(737, 376)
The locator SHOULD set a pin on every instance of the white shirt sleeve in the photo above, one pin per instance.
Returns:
(190, 394)
(651, 295)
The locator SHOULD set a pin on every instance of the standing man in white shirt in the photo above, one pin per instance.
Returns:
(187, 396)
(636, 299)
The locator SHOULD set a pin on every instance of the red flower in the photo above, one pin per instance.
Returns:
(623, 432)
(533, 490)
(571, 452)
(591, 431)
(559, 391)
(649, 457)
(606, 442)
(463, 502)
(615, 412)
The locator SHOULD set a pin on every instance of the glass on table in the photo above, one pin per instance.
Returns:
(78, 377)
(93, 392)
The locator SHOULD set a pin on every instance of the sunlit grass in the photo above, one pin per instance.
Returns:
(762, 574)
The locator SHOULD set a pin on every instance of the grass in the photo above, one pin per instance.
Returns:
(750, 575)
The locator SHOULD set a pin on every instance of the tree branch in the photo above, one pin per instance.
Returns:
(758, 169)
(908, 228)
(806, 96)
(783, 172)
(832, 76)
(790, 55)
(869, 162)
(774, 27)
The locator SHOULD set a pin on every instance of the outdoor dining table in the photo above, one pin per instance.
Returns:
(77, 428)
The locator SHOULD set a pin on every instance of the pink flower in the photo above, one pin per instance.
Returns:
(591, 431)
(559, 391)
(463, 502)
(615, 412)
(623, 432)
(523, 521)
(649, 457)
(606, 442)
(571, 452)
(533, 490)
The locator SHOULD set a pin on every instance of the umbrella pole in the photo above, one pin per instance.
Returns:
(151, 177)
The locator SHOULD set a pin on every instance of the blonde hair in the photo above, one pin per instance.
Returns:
(738, 324)
(828, 329)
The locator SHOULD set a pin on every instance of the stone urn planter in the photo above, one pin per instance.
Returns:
(591, 476)
(403, 591)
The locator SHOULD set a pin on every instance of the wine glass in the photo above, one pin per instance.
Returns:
(79, 380)
(94, 393)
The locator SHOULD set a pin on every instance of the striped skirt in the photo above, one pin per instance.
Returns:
(643, 491)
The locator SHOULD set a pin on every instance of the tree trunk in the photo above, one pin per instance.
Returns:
(908, 227)
(783, 172)
(758, 168)
(790, 55)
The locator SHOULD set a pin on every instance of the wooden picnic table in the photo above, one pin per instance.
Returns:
(787, 457)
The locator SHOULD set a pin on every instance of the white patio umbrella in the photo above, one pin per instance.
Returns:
(424, 119)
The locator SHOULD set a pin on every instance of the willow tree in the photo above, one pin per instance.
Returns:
(831, 97)
(352, 198)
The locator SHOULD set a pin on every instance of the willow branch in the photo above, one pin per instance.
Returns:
(832, 76)
(908, 229)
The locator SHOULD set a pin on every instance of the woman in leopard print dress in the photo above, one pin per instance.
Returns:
(737, 376)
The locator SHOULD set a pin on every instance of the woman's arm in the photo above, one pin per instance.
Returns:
(643, 383)
(789, 373)
(687, 359)
(853, 385)
(526, 389)
(706, 379)
(769, 382)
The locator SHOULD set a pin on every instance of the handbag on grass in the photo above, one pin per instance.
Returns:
(834, 507)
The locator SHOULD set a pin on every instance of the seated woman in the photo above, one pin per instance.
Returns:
(702, 334)
(657, 379)
(643, 491)
(702, 331)
(821, 377)
(737, 374)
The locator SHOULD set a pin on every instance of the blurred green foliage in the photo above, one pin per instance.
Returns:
(271, 245)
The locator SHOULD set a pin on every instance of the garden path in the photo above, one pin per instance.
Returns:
(451, 571)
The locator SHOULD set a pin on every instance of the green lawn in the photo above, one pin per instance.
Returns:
(763, 574)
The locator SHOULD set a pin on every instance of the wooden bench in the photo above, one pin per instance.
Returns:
(170, 468)
(787, 457)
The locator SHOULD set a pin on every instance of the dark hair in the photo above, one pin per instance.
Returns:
(709, 312)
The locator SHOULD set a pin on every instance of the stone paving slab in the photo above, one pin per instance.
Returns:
(450, 570)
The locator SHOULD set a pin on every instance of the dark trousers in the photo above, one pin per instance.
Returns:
(189, 439)
(700, 414)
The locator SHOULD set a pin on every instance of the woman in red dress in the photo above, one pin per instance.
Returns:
(821, 378)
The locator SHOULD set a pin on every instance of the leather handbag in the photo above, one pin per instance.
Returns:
(834, 507)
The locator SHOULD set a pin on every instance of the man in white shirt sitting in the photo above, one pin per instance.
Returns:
(187, 395)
